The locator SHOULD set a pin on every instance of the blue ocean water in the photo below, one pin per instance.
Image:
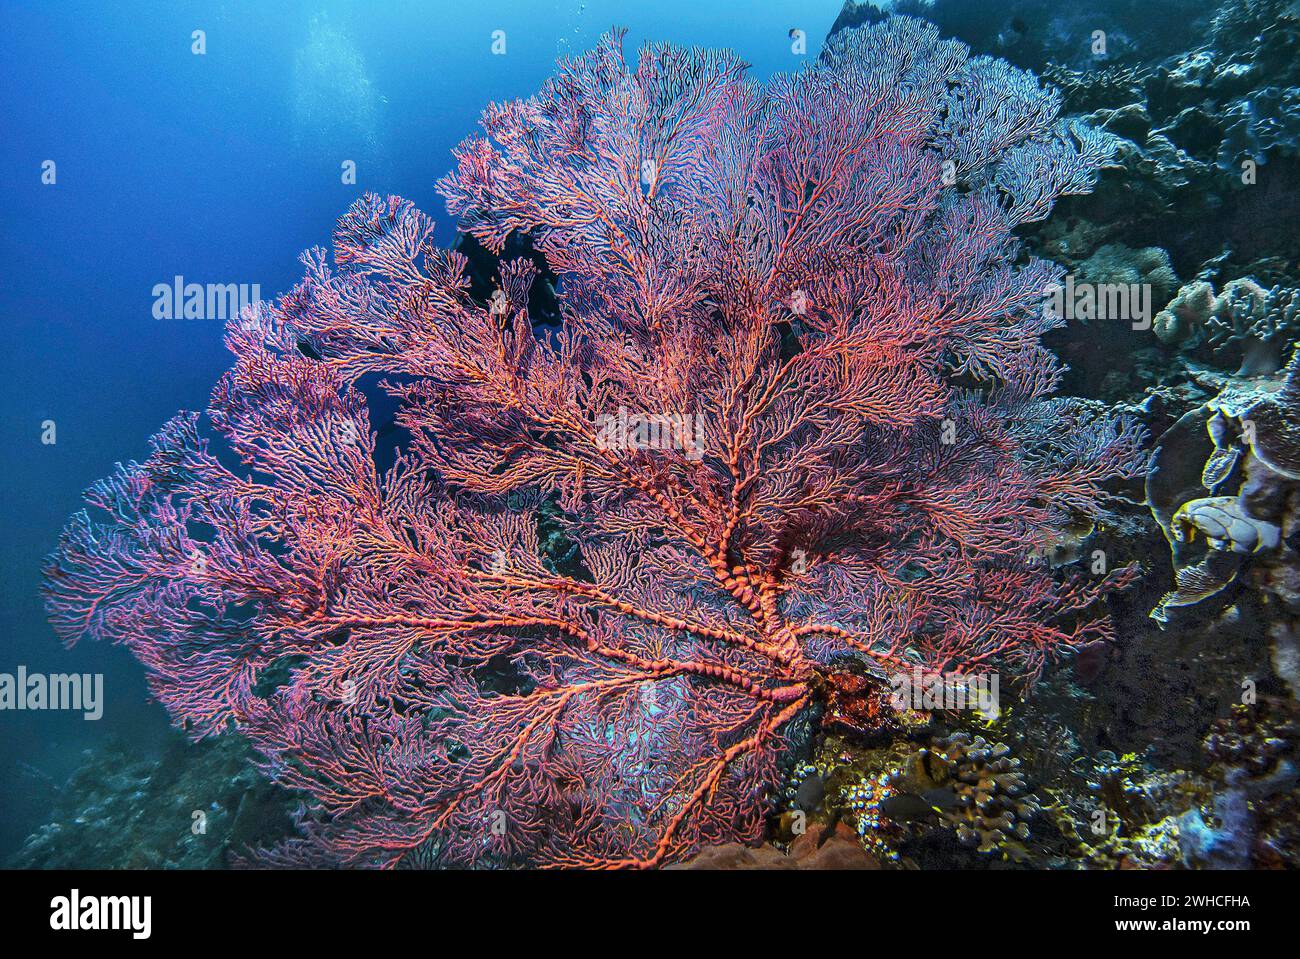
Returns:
(220, 168)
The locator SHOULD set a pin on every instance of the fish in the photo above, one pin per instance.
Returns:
(908, 807)
(810, 792)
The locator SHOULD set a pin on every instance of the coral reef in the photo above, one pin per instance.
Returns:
(1240, 813)
(721, 410)
(958, 782)
(964, 795)
(1253, 431)
(1255, 754)
(993, 809)
(1256, 322)
(1193, 91)
(1033, 33)
(820, 848)
(1114, 263)
(794, 429)
(1203, 187)
(195, 807)
(863, 800)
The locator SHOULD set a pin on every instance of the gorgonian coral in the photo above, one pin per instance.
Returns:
(793, 425)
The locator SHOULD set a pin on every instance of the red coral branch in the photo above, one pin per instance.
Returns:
(591, 605)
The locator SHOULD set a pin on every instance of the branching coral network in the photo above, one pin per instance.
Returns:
(795, 425)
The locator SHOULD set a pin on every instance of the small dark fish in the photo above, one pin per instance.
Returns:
(908, 807)
(810, 792)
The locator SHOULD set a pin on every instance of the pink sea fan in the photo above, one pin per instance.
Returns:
(794, 425)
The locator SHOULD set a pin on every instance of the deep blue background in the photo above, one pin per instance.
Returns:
(220, 168)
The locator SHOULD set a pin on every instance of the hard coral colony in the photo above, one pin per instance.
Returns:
(523, 643)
